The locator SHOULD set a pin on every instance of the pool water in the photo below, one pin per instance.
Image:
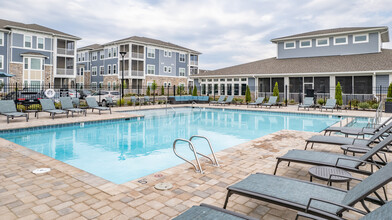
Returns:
(120, 151)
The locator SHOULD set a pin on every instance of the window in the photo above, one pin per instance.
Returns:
(340, 40)
(114, 85)
(40, 43)
(101, 70)
(1, 62)
(167, 53)
(35, 64)
(322, 42)
(182, 58)
(79, 56)
(95, 55)
(1, 39)
(110, 53)
(102, 55)
(169, 69)
(181, 71)
(149, 84)
(94, 70)
(26, 63)
(165, 84)
(27, 41)
(81, 71)
(165, 69)
(305, 43)
(114, 51)
(94, 86)
(114, 69)
(101, 85)
(360, 38)
(151, 69)
(150, 53)
(109, 85)
(289, 45)
(109, 69)
(83, 56)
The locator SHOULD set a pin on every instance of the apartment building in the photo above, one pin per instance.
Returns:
(37, 55)
(145, 60)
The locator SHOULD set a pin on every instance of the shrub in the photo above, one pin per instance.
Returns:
(35, 107)
(120, 102)
(276, 91)
(21, 108)
(190, 90)
(129, 103)
(320, 101)
(354, 102)
(57, 105)
(194, 93)
(248, 97)
(238, 100)
(162, 90)
(375, 106)
(389, 94)
(148, 91)
(364, 105)
(292, 102)
(338, 94)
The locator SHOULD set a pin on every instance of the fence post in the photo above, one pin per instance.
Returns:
(174, 90)
(16, 94)
(285, 95)
(380, 93)
(168, 91)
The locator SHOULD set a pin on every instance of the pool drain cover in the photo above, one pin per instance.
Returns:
(41, 170)
(163, 186)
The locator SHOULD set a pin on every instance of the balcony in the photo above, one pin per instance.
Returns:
(137, 73)
(65, 72)
(126, 73)
(137, 55)
(63, 51)
(194, 63)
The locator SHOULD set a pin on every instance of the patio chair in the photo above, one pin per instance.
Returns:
(331, 104)
(271, 101)
(109, 102)
(66, 104)
(134, 100)
(338, 140)
(147, 100)
(209, 212)
(93, 104)
(8, 109)
(76, 102)
(48, 106)
(221, 99)
(314, 198)
(349, 163)
(258, 101)
(369, 131)
(228, 101)
(307, 104)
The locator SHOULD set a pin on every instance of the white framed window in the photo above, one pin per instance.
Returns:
(35, 64)
(167, 53)
(150, 69)
(109, 85)
(79, 57)
(102, 55)
(182, 58)
(26, 63)
(169, 69)
(150, 53)
(94, 86)
(165, 69)
(114, 85)
(94, 70)
(340, 40)
(289, 45)
(40, 43)
(27, 41)
(305, 43)
(149, 83)
(101, 70)
(322, 42)
(114, 51)
(83, 56)
(181, 71)
(109, 69)
(110, 52)
(100, 84)
(169, 84)
(360, 38)
(81, 71)
(94, 56)
(1, 39)
(114, 69)
(1, 62)
(165, 84)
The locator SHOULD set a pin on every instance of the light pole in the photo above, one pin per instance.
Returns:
(122, 53)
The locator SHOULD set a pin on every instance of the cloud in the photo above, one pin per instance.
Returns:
(226, 32)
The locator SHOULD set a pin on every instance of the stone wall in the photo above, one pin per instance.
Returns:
(159, 80)
(16, 69)
(48, 79)
(87, 78)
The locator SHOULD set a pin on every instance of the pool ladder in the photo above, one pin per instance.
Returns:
(197, 166)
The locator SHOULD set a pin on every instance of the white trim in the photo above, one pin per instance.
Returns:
(179, 71)
(109, 70)
(92, 70)
(179, 57)
(289, 48)
(103, 72)
(114, 71)
(43, 43)
(334, 40)
(322, 45)
(300, 43)
(150, 65)
(169, 69)
(24, 41)
(102, 54)
(49, 51)
(163, 76)
(96, 56)
(151, 57)
(2, 38)
(2, 62)
(361, 42)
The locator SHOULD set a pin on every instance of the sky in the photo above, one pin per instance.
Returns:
(226, 32)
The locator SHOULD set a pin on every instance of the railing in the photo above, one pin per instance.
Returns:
(126, 73)
(137, 73)
(194, 63)
(137, 55)
(64, 51)
(63, 71)
(377, 118)
(198, 167)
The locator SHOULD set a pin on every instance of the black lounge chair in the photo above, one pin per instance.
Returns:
(67, 105)
(350, 163)
(331, 104)
(48, 106)
(228, 101)
(8, 109)
(338, 140)
(271, 101)
(314, 198)
(307, 104)
(209, 212)
(369, 131)
(93, 104)
(258, 101)
(221, 99)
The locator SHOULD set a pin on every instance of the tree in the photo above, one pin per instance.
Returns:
(389, 94)
(189, 90)
(276, 91)
(153, 87)
(162, 90)
(194, 91)
(148, 90)
(338, 94)
(248, 97)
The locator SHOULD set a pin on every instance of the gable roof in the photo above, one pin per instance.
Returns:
(328, 64)
(91, 47)
(153, 42)
(336, 31)
(8, 25)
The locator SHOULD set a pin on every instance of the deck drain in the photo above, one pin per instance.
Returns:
(163, 186)
(41, 170)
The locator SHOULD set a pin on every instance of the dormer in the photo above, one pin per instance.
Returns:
(332, 42)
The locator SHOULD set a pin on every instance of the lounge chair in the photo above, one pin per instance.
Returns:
(314, 198)
(271, 101)
(76, 102)
(134, 99)
(48, 106)
(221, 99)
(331, 104)
(350, 163)
(228, 101)
(147, 100)
(66, 104)
(369, 131)
(258, 101)
(8, 109)
(338, 140)
(209, 212)
(109, 102)
(308, 103)
(93, 104)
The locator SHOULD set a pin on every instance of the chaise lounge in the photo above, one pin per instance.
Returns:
(369, 131)
(271, 101)
(331, 104)
(8, 109)
(258, 101)
(66, 104)
(307, 104)
(48, 106)
(221, 99)
(209, 212)
(93, 104)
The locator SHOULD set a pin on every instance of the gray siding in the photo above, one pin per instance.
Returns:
(97, 63)
(182, 64)
(382, 80)
(370, 47)
(17, 40)
(154, 61)
(110, 62)
(16, 55)
(167, 61)
(3, 52)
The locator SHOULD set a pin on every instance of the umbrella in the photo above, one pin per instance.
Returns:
(3, 74)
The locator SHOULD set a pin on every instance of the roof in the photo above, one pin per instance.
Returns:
(153, 42)
(327, 64)
(336, 31)
(91, 47)
(5, 24)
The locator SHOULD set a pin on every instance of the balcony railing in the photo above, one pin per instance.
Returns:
(137, 72)
(64, 51)
(138, 55)
(193, 71)
(126, 73)
(194, 63)
(65, 72)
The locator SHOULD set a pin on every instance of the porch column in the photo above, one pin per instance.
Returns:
(374, 85)
(256, 88)
(332, 86)
(287, 84)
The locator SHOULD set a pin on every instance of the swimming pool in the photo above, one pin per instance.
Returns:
(124, 150)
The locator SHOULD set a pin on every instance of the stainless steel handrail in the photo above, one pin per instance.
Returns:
(215, 161)
(198, 170)
(193, 102)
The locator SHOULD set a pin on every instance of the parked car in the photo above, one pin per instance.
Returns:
(73, 94)
(100, 96)
(26, 97)
(84, 93)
